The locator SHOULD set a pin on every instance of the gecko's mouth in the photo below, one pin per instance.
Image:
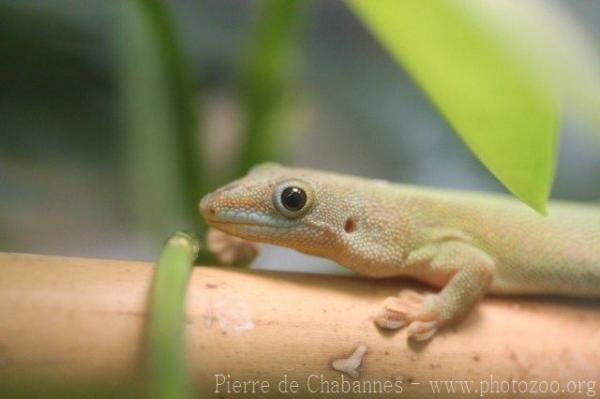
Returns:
(245, 223)
(239, 220)
(249, 230)
(231, 218)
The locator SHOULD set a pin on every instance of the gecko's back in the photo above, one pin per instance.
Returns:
(557, 253)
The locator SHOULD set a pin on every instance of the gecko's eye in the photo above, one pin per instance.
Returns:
(292, 198)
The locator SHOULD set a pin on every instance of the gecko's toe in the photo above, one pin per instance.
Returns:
(399, 310)
(422, 330)
(389, 320)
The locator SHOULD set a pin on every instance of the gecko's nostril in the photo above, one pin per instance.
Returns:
(207, 207)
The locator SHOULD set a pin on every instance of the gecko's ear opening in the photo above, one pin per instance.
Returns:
(264, 167)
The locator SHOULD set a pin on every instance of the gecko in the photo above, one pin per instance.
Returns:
(464, 243)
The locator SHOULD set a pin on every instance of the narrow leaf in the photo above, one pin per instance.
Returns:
(160, 150)
(265, 78)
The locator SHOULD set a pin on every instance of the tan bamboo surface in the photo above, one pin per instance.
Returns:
(69, 322)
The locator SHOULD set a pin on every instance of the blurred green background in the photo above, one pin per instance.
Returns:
(115, 117)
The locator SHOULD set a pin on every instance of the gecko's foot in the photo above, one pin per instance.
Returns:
(412, 309)
(228, 249)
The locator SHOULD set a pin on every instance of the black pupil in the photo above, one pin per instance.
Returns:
(293, 198)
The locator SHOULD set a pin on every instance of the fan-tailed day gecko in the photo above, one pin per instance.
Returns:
(465, 243)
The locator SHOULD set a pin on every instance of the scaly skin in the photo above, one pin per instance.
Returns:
(467, 243)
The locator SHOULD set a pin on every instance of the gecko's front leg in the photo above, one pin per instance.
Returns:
(470, 272)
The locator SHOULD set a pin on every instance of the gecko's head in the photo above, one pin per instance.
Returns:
(298, 208)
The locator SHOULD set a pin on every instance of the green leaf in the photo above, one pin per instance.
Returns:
(551, 40)
(489, 95)
(168, 372)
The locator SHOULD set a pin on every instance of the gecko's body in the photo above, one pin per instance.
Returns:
(467, 243)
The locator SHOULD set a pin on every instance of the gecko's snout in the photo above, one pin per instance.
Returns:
(211, 203)
(207, 207)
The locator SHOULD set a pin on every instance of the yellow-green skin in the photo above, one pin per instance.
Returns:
(468, 243)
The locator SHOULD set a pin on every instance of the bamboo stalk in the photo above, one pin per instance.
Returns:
(80, 322)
